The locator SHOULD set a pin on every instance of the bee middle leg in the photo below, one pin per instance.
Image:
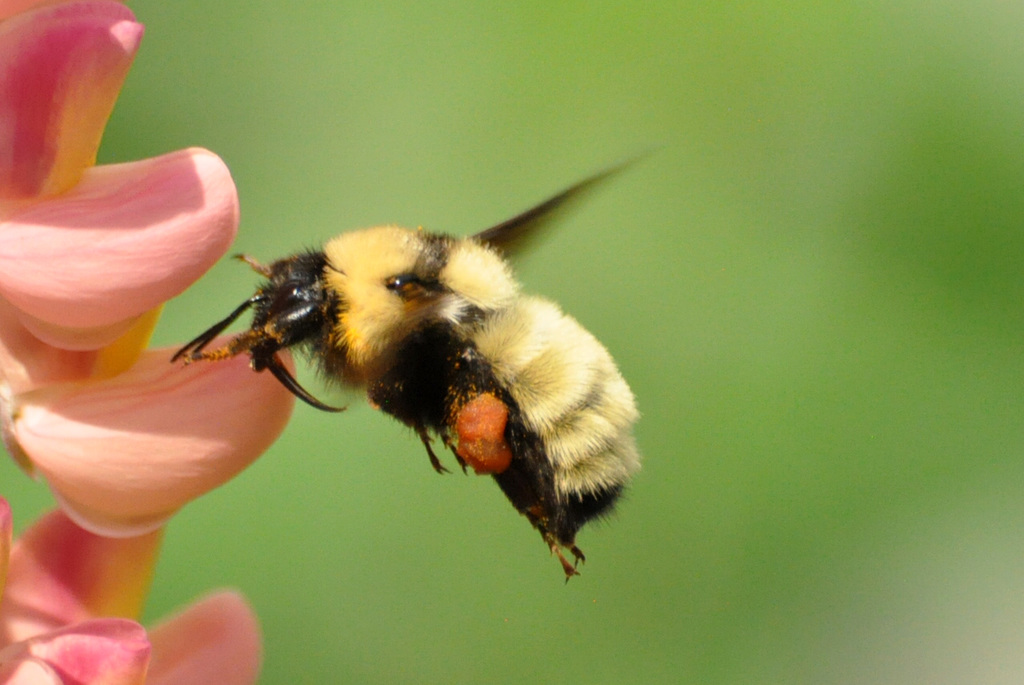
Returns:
(434, 461)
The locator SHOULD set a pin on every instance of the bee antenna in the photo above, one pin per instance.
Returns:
(288, 380)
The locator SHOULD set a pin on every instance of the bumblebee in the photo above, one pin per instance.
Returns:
(437, 332)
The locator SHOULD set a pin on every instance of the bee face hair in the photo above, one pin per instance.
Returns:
(434, 328)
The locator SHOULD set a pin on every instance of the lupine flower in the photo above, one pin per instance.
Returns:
(84, 250)
(87, 256)
(123, 438)
(61, 584)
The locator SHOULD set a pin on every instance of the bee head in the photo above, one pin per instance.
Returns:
(390, 281)
(290, 308)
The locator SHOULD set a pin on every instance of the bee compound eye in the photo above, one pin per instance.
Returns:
(402, 282)
(410, 286)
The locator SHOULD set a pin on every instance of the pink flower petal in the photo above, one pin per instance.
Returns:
(124, 454)
(75, 339)
(28, 672)
(27, 362)
(60, 575)
(214, 642)
(126, 238)
(61, 68)
(110, 651)
(11, 7)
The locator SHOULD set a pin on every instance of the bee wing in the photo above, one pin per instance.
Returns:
(511, 235)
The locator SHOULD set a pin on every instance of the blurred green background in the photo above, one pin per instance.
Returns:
(814, 286)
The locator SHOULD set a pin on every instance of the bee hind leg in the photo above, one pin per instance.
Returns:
(578, 555)
(569, 567)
